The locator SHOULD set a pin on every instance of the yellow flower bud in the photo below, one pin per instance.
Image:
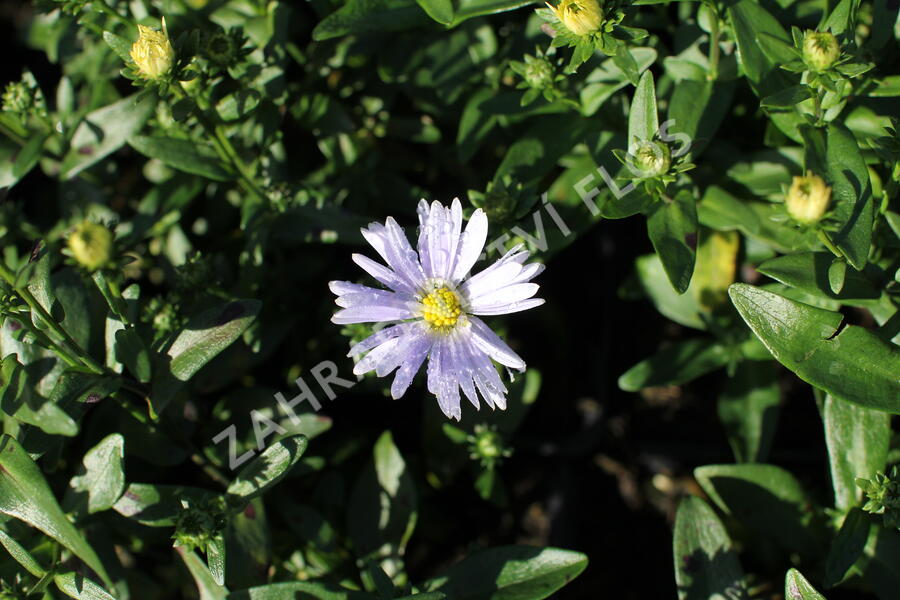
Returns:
(579, 16)
(820, 50)
(91, 245)
(152, 52)
(808, 199)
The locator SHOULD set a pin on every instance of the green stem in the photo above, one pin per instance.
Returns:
(225, 148)
(36, 307)
(823, 237)
(714, 49)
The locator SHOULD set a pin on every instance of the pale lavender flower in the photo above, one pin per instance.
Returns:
(433, 304)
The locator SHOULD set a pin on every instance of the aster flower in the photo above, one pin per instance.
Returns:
(432, 303)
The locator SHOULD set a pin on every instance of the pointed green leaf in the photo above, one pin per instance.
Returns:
(101, 478)
(75, 585)
(765, 499)
(361, 16)
(677, 364)
(105, 130)
(382, 513)
(796, 587)
(300, 589)
(266, 470)
(811, 272)
(672, 227)
(706, 564)
(215, 557)
(851, 363)
(439, 10)
(748, 409)
(847, 547)
(510, 573)
(858, 439)
(157, 505)
(834, 155)
(202, 339)
(643, 119)
(184, 155)
(25, 495)
(206, 584)
(22, 556)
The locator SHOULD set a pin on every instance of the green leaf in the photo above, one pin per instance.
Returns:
(858, 439)
(28, 156)
(120, 45)
(204, 337)
(215, 556)
(765, 499)
(840, 18)
(788, 97)
(748, 409)
(382, 512)
(643, 119)
(678, 364)
(796, 587)
(706, 564)
(131, 351)
(184, 155)
(697, 109)
(681, 308)
(237, 105)
(810, 272)
(847, 547)
(25, 495)
(206, 584)
(22, 556)
(439, 10)
(79, 587)
(19, 400)
(101, 478)
(834, 155)
(469, 9)
(266, 470)
(157, 505)
(672, 227)
(361, 16)
(300, 589)
(850, 363)
(510, 573)
(105, 130)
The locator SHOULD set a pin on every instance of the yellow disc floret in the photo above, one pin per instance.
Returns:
(441, 309)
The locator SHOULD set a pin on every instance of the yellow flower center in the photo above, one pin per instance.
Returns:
(441, 309)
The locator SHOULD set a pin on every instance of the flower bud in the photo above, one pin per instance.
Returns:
(91, 245)
(820, 50)
(579, 16)
(808, 199)
(651, 159)
(152, 52)
(538, 72)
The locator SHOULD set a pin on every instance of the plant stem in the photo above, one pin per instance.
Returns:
(714, 49)
(36, 307)
(823, 237)
(225, 148)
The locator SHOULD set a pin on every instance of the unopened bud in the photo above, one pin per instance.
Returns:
(820, 50)
(808, 199)
(579, 16)
(651, 159)
(91, 245)
(152, 52)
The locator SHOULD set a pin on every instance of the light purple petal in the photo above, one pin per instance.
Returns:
(505, 309)
(391, 244)
(417, 347)
(378, 338)
(442, 381)
(504, 296)
(371, 314)
(490, 343)
(470, 245)
(382, 274)
(373, 358)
